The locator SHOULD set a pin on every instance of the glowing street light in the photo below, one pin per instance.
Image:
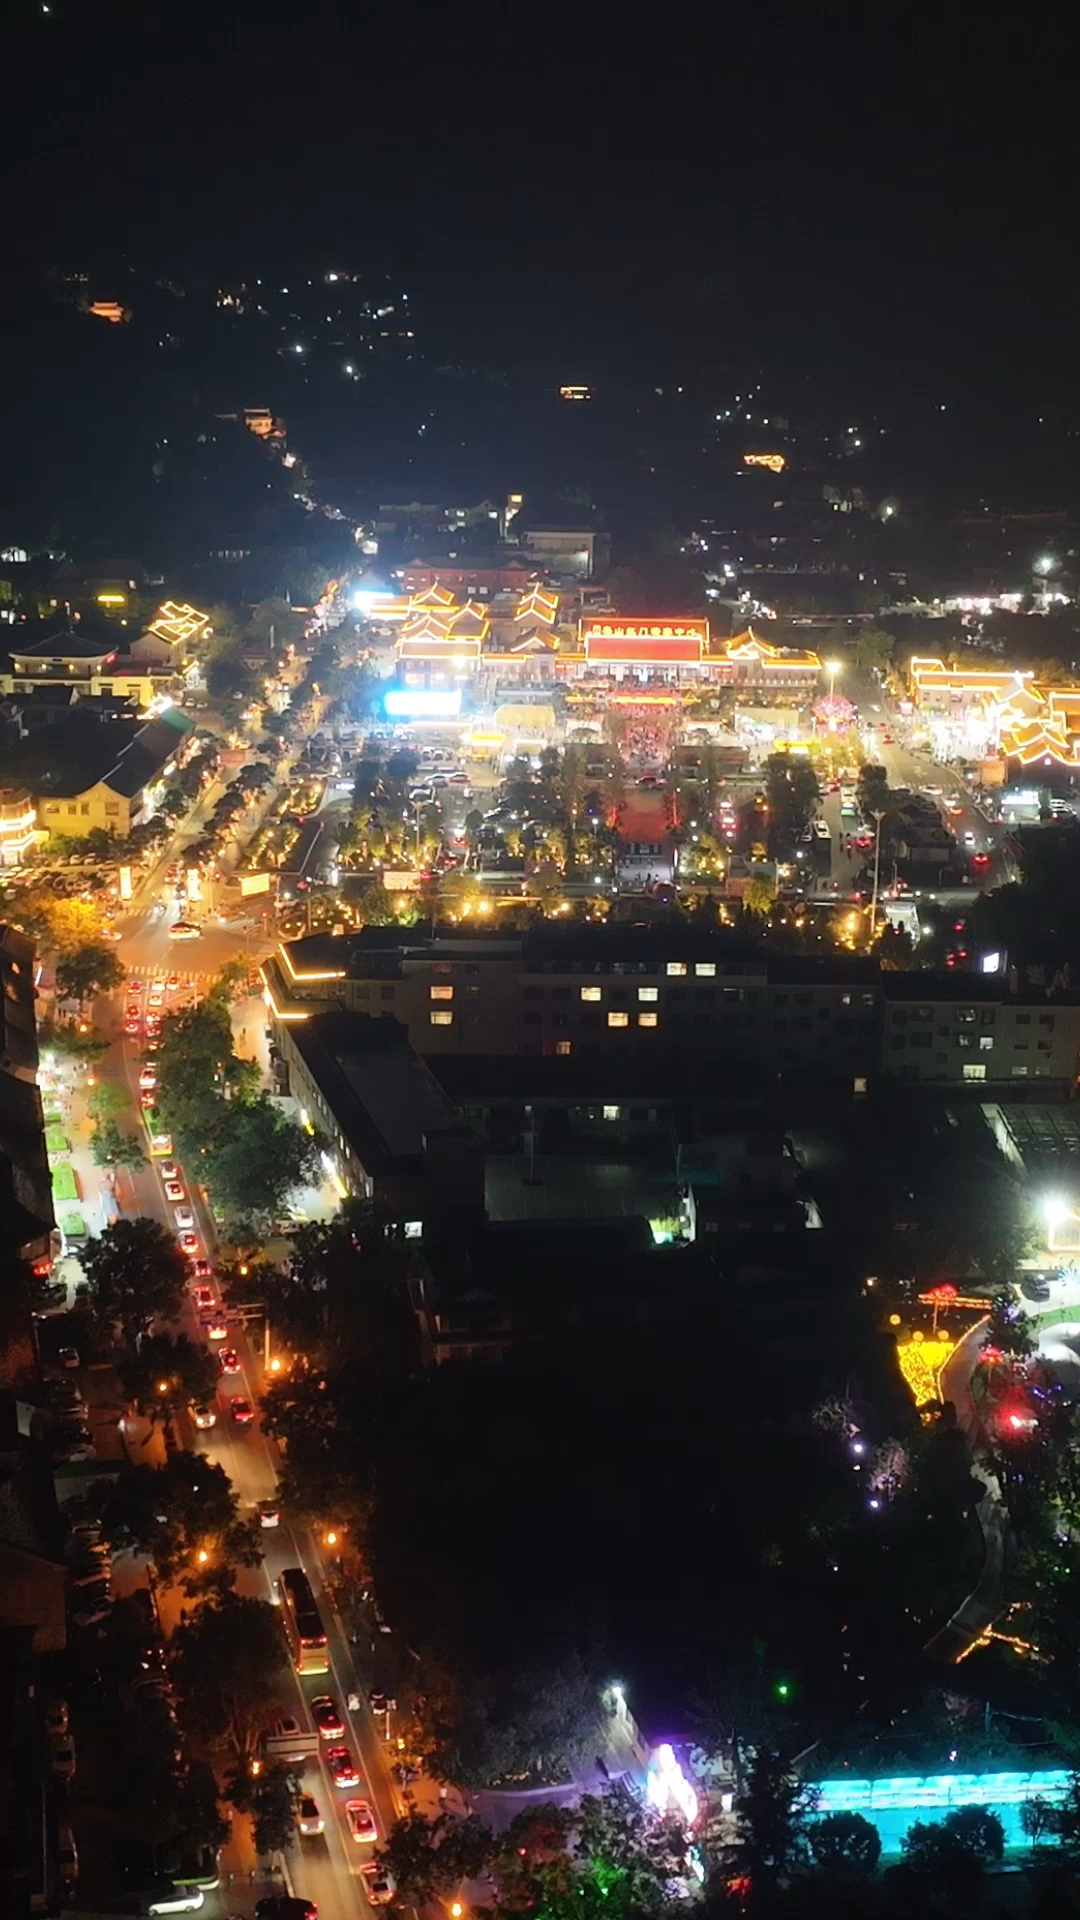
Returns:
(202, 1556)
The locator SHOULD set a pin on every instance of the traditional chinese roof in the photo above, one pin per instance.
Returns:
(65, 645)
(534, 640)
(538, 603)
(749, 646)
(470, 621)
(430, 624)
(927, 673)
(433, 596)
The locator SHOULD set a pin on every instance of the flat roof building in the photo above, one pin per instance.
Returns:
(393, 1135)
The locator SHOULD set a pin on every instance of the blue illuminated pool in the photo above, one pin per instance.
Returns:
(894, 1805)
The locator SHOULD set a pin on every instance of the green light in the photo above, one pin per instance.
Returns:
(782, 1690)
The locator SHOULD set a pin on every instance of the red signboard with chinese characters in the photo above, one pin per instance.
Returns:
(640, 642)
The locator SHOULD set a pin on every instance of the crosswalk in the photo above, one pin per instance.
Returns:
(200, 979)
(186, 978)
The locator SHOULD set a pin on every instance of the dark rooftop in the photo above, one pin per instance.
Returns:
(65, 645)
(382, 1094)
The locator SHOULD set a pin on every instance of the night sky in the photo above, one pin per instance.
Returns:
(883, 190)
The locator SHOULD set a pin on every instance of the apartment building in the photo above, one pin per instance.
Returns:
(589, 991)
(640, 992)
(970, 1030)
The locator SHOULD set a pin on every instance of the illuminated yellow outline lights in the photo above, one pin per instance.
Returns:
(338, 974)
(279, 1013)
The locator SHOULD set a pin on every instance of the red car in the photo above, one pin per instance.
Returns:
(230, 1360)
(203, 1297)
(342, 1767)
(201, 1269)
(241, 1410)
(131, 1028)
(189, 1242)
(146, 1099)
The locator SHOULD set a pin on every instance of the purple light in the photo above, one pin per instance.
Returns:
(667, 1786)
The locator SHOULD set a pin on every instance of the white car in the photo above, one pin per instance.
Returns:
(176, 1900)
(203, 1414)
(361, 1820)
(308, 1818)
(148, 1077)
(183, 1217)
(379, 1884)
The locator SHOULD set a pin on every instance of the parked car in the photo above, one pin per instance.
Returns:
(56, 1718)
(68, 1358)
(67, 1857)
(62, 1760)
(175, 1900)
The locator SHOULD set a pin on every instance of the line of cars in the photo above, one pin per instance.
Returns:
(65, 1412)
(344, 1772)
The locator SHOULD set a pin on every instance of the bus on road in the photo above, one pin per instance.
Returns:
(304, 1629)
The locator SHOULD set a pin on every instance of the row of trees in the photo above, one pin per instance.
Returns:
(234, 1140)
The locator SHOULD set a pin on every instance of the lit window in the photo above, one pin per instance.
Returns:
(618, 1019)
(676, 969)
(705, 969)
(986, 1042)
(611, 1113)
(648, 993)
(442, 1019)
(591, 993)
(646, 1019)
(414, 1229)
(564, 1047)
(974, 1070)
(442, 993)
